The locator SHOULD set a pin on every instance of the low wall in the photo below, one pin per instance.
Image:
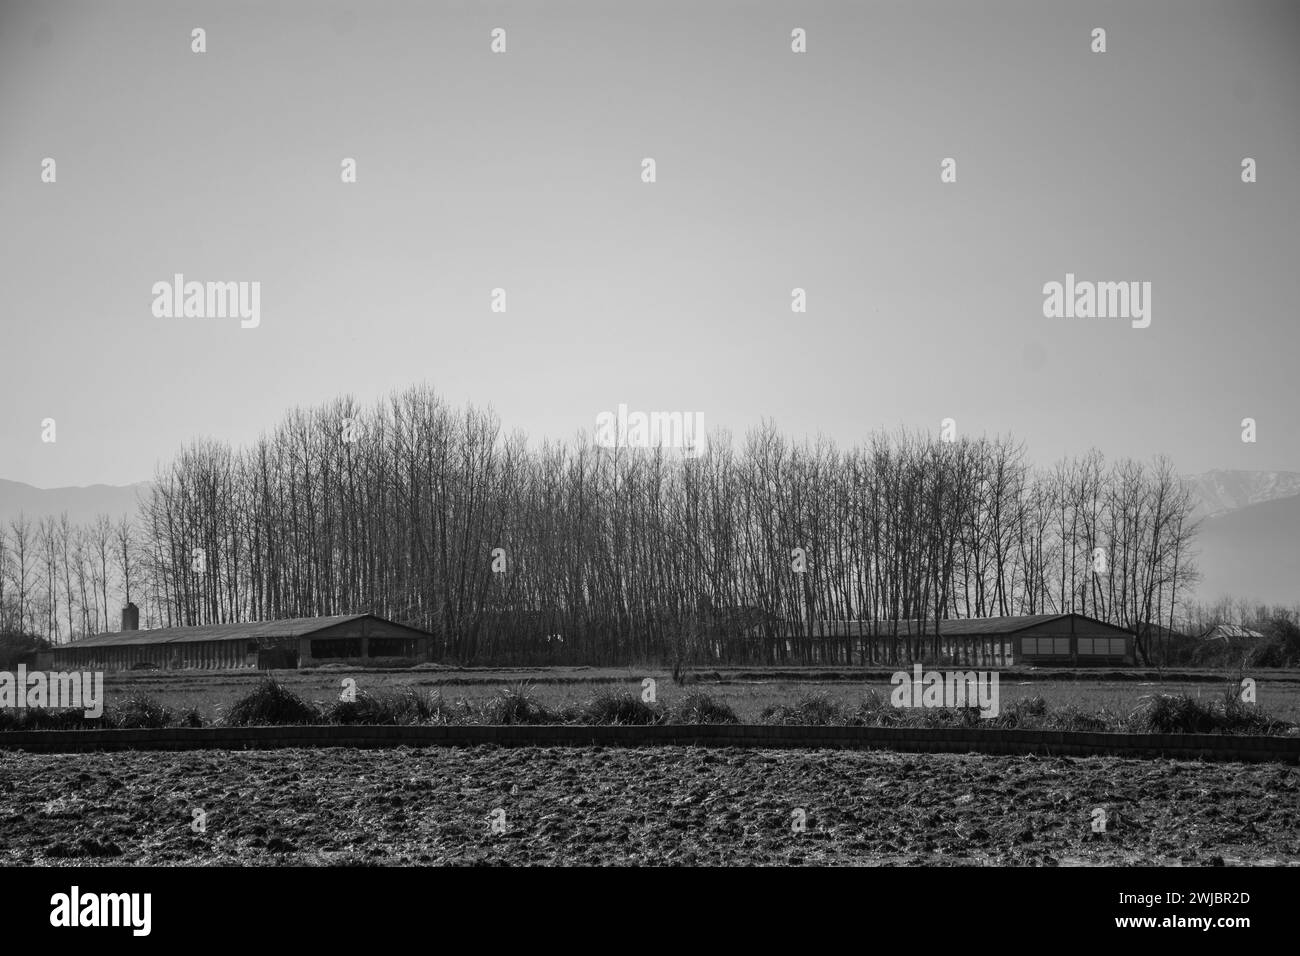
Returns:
(923, 740)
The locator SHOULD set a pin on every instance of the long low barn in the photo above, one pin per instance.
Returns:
(293, 642)
(1064, 640)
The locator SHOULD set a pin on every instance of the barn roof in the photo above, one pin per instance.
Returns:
(993, 625)
(250, 631)
(1234, 632)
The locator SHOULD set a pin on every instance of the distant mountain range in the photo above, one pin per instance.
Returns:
(1219, 492)
(1252, 552)
(1249, 542)
(83, 505)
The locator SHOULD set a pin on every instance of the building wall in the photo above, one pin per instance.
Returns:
(1074, 643)
(361, 641)
(187, 655)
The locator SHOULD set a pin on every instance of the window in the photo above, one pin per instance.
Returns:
(1102, 646)
(338, 647)
(1045, 645)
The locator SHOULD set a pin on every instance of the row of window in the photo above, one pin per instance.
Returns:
(1088, 646)
(1102, 646)
(1045, 645)
(346, 647)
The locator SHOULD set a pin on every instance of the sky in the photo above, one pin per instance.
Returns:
(774, 170)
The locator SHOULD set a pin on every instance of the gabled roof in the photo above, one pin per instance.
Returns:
(996, 625)
(1231, 632)
(250, 631)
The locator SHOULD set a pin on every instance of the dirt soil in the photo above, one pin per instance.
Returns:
(639, 806)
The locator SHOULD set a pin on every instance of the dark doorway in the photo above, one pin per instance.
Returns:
(277, 658)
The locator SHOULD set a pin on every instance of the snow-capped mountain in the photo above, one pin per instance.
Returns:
(1219, 492)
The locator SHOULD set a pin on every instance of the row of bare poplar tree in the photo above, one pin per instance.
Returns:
(56, 576)
(430, 516)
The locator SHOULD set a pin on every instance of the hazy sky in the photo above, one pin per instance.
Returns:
(775, 170)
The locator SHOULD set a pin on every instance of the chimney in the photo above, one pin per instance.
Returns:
(130, 618)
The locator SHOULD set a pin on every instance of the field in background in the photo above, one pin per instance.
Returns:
(748, 692)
